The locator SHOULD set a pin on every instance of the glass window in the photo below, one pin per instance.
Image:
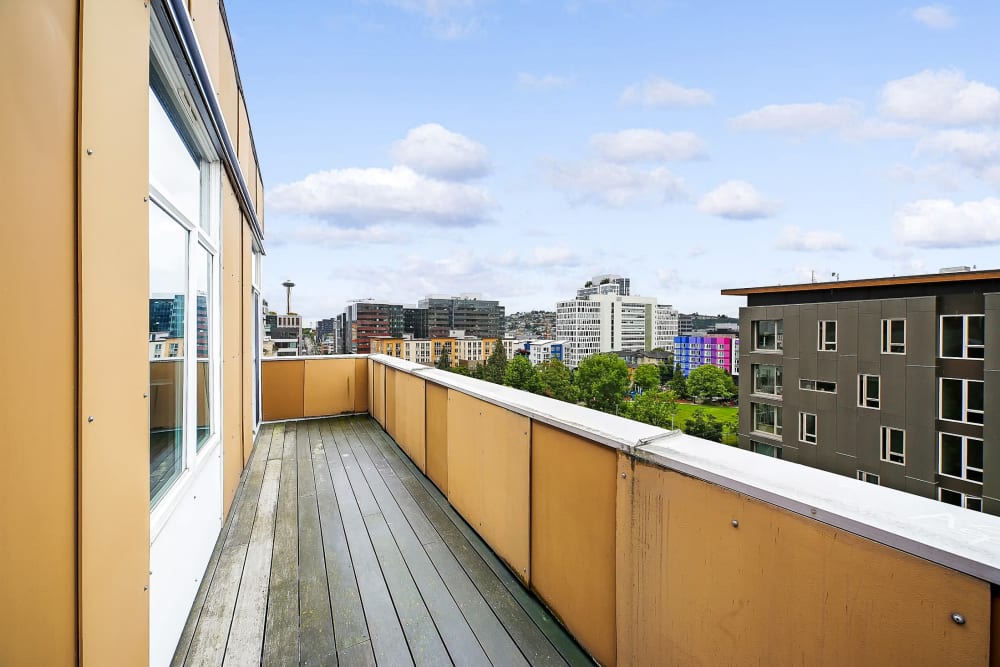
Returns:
(767, 450)
(869, 477)
(766, 418)
(202, 266)
(868, 391)
(893, 446)
(818, 385)
(768, 335)
(961, 400)
(893, 336)
(960, 499)
(807, 427)
(963, 336)
(173, 169)
(960, 456)
(168, 247)
(827, 336)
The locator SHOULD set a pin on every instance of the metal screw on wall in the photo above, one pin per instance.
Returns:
(90, 419)
(90, 151)
(736, 523)
(958, 618)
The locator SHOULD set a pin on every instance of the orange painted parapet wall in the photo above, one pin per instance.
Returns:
(653, 547)
(301, 387)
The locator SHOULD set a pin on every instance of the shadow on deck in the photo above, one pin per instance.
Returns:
(338, 550)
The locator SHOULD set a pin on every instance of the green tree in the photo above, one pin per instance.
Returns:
(653, 407)
(477, 371)
(666, 373)
(678, 383)
(647, 377)
(602, 381)
(704, 426)
(444, 361)
(708, 382)
(496, 365)
(520, 374)
(459, 370)
(556, 381)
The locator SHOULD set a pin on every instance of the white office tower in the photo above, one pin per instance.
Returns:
(665, 327)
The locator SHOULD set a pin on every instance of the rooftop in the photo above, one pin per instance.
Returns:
(892, 281)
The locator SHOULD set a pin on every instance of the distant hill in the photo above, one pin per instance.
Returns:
(533, 324)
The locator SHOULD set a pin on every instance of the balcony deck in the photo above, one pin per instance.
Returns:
(338, 549)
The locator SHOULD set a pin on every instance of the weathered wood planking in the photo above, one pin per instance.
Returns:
(281, 634)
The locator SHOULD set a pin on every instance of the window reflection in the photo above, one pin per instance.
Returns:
(167, 291)
(202, 271)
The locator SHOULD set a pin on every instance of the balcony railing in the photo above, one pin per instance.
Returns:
(654, 547)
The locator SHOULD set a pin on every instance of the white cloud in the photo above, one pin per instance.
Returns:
(737, 200)
(362, 197)
(662, 94)
(941, 176)
(934, 16)
(325, 235)
(975, 150)
(544, 82)
(793, 238)
(448, 19)
(876, 128)
(614, 184)
(543, 256)
(941, 97)
(798, 119)
(436, 151)
(640, 145)
(941, 223)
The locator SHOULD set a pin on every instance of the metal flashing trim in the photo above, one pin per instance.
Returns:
(956, 538)
(176, 12)
(610, 430)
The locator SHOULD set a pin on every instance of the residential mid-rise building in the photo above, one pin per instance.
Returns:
(471, 313)
(895, 381)
(283, 334)
(685, 325)
(720, 350)
(415, 321)
(540, 351)
(460, 349)
(367, 319)
(609, 322)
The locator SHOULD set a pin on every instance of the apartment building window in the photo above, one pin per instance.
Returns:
(827, 341)
(961, 400)
(868, 391)
(960, 456)
(766, 418)
(965, 500)
(807, 428)
(869, 477)
(767, 450)
(962, 336)
(818, 385)
(768, 335)
(767, 379)
(893, 446)
(184, 214)
(893, 336)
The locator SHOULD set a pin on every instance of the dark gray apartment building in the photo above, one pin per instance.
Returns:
(483, 318)
(894, 381)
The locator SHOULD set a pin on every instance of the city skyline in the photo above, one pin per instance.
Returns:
(681, 146)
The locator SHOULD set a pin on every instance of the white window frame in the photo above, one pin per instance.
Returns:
(779, 338)
(774, 448)
(777, 419)
(965, 467)
(822, 344)
(210, 239)
(869, 477)
(864, 400)
(804, 434)
(964, 499)
(965, 337)
(965, 409)
(887, 343)
(886, 452)
(804, 385)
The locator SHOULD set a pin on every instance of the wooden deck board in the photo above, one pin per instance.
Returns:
(337, 549)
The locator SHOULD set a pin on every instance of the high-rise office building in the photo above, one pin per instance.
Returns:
(895, 381)
(368, 319)
(482, 318)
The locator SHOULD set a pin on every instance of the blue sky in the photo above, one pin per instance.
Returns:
(515, 149)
